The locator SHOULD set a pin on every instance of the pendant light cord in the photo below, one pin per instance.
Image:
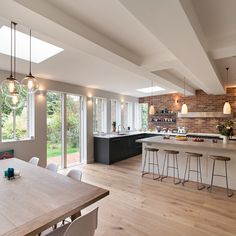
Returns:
(30, 55)
(11, 51)
(14, 49)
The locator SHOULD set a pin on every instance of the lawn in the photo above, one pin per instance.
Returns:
(57, 152)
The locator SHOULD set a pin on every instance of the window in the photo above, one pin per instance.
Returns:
(17, 124)
(141, 116)
(127, 115)
(99, 115)
(115, 112)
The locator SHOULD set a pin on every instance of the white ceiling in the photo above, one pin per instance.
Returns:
(121, 45)
(218, 21)
(112, 19)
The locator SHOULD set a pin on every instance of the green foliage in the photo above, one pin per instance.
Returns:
(226, 128)
(54, 122)
(144, 116)
(7, 120)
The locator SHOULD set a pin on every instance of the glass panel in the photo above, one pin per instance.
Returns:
(113, 112)
(144, 116)
(22, 123)
(73, 129)
(54, 132)
(99, 113)
(15, 123)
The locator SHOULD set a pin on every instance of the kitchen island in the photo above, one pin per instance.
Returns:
(206, 148)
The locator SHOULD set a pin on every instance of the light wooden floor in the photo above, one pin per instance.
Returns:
(142, 206)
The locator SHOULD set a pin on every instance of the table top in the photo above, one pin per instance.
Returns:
(207, 144)
(40, 198)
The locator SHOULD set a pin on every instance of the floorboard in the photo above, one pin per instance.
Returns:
(145, 207)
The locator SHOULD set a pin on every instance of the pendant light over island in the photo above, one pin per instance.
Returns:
(184, 109)
(227, 106)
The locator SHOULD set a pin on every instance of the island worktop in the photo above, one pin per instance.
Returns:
(205, 148)
(206, 145)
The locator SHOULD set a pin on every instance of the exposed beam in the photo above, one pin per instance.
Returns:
(168, 21)
(71, 32)
(175, 80)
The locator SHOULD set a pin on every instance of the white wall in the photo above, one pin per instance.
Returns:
(38, 147)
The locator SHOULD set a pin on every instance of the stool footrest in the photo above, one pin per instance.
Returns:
(224, 176)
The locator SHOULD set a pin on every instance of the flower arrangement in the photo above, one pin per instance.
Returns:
(226, 128)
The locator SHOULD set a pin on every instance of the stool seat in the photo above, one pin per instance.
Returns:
(194, 154)
(151, 149)
(171, 152)
(219, 158)
(224, 159)
(174, 166)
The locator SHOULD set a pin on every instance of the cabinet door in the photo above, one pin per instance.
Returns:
(116, 150)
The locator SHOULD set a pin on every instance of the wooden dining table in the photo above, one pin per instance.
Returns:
(40, 198)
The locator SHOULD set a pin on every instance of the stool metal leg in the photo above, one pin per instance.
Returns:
(157, 164)
(149, 162)
(144, 163)
(177, 168)
(174, 169)
(168, 164)
(199, 187)
(186, 168)
(189, 166)
(163, 168)
(229, 193)
(212, 176)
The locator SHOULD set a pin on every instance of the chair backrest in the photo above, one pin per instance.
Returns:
(34, 161)
(52, 166)
(75, 174)
(84, 225)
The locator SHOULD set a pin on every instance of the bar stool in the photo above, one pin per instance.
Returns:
(225, 159)
(148, 151)
(174, 167)
(198, 171)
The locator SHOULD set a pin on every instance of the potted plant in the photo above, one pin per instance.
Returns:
(113, 126)
(226, 129)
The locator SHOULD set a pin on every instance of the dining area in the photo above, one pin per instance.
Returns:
(35, 199)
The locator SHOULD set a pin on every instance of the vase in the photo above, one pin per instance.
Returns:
(225, 140)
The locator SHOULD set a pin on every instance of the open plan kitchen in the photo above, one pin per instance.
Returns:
(117, 117)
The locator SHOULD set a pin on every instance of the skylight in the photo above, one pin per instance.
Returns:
(150, 89)
(41, 50)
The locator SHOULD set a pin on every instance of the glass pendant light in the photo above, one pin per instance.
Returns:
(10, 85)
(227, 107)
(152, 108)
(15, 100)
(30, 83)
(184, 109)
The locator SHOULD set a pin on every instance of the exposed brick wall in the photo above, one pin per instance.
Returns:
(200, 102)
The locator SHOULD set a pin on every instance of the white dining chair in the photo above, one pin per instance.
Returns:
(34, 161)
(84, 225)
(52, 167)
(75, 174)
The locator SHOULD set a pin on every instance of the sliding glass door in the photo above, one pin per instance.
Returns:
(73, 124)
(63, 128)
(54, 128)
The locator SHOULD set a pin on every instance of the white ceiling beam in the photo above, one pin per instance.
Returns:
(222, 47)
(177, 81)
(168, 21)
(47, 20)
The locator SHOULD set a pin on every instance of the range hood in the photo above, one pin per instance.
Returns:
(204, 115)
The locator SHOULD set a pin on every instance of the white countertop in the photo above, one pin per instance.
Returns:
(130, 133)
(207, 144)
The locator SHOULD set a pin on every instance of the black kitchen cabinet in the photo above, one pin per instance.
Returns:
(111, 150)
